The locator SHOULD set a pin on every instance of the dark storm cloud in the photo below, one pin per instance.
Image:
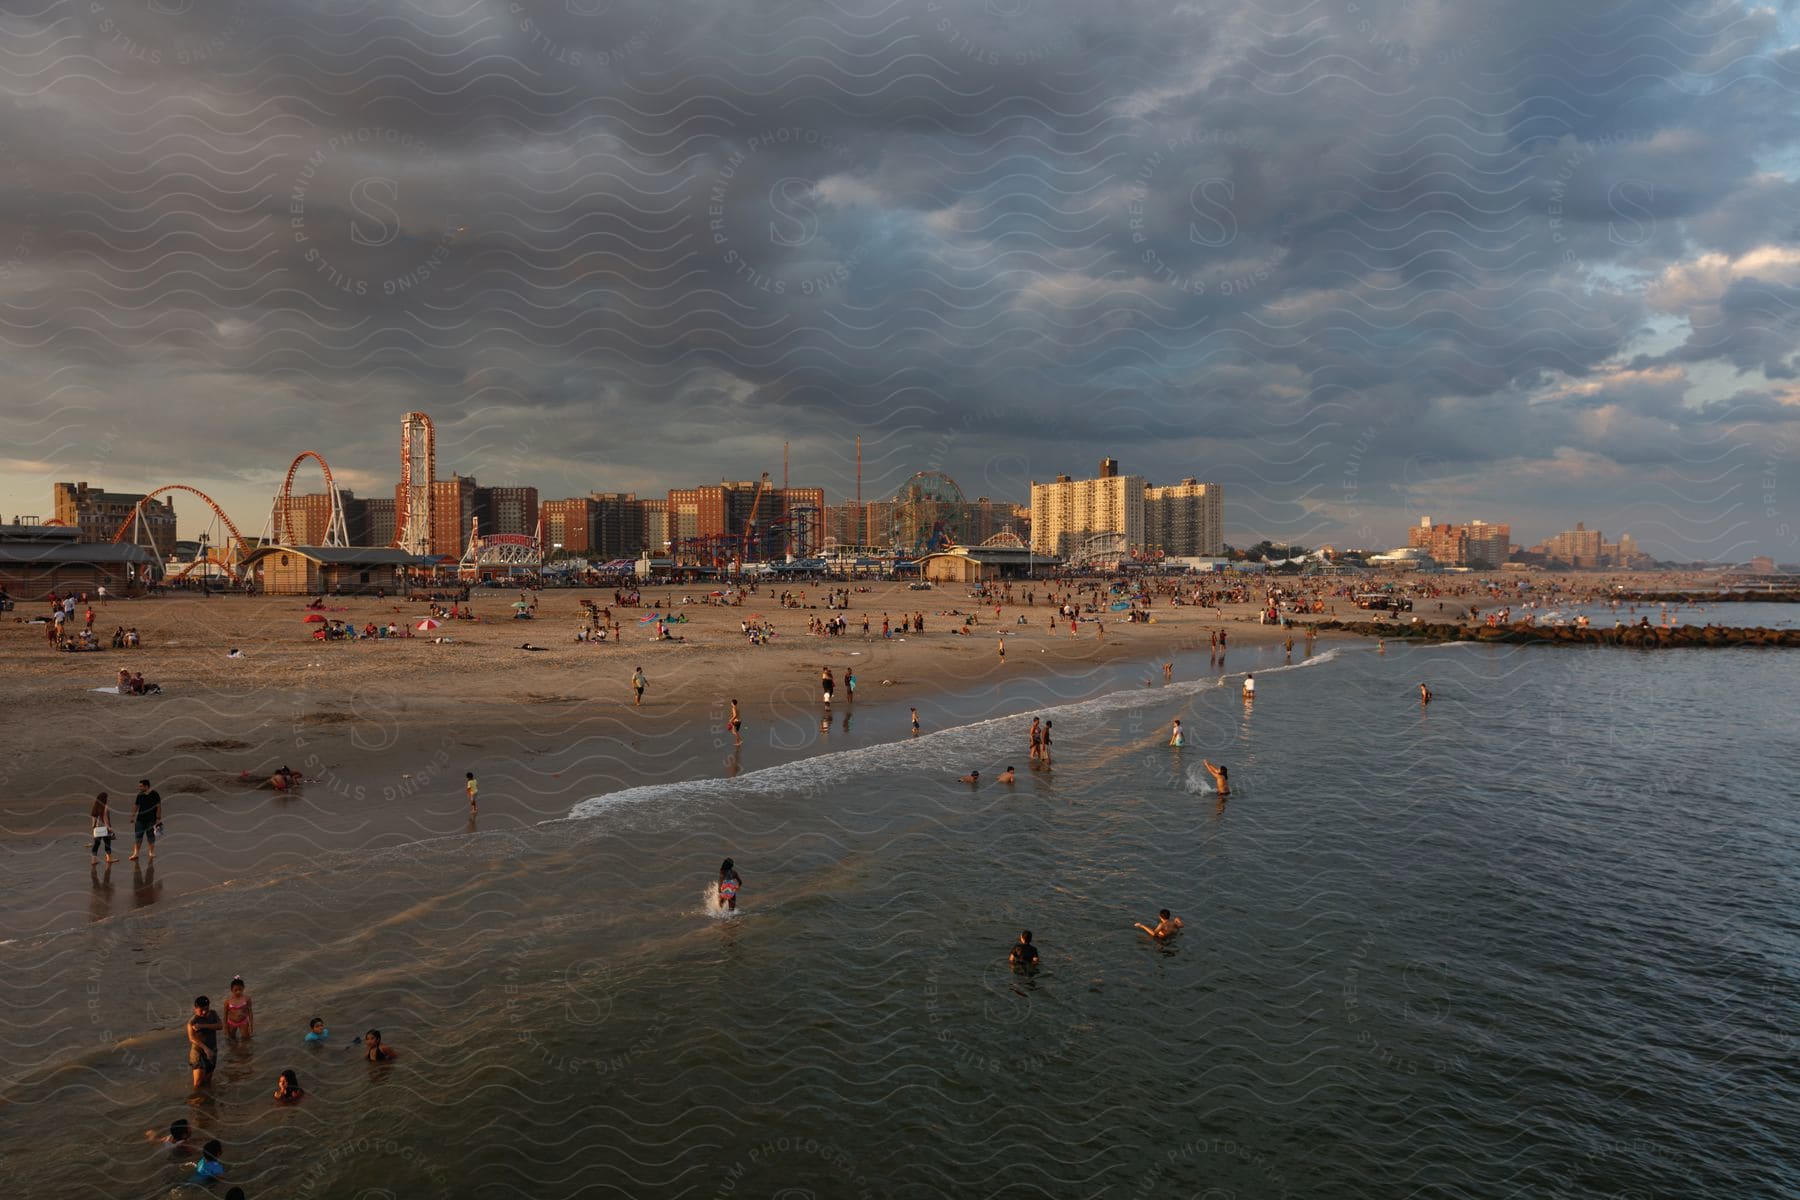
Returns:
(1331, 254)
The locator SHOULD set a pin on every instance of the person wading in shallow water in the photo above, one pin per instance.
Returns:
(729, 883)
(147, 816)
(203, 1041)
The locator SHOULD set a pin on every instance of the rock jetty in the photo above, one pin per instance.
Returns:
(1520, 633)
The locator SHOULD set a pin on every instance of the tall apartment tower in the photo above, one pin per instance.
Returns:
(1066, 512)
(1185, 519)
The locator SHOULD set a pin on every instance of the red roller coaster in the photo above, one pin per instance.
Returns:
(125, 526)
(281, 523)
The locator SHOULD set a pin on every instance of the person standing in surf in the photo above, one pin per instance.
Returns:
(736, 725)
(729, 883)
(1037, 738)
(1175, 734)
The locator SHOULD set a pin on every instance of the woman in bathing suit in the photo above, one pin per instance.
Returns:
(239, 1017)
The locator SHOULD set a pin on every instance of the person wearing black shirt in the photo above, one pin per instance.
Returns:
(1024, 954)
(148, 816)
(203, 1040)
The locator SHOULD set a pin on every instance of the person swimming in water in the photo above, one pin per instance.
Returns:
(1007, 776)
(179, 1139)
(729, 883)
(1023, 953)
(375, 1050)
(1175, 734)
(209, 1166)
(1166, 926)
(1424, 694)
(287, 1088)
(973, 777)
(316, 1031)
(1221, 777)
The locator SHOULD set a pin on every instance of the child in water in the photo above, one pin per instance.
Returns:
(729, 883)
(240, 1018)
(287, 1088)
(209, 1166)
(316, 1031)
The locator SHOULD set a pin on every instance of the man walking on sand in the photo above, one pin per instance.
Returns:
(638, 683)
(1003, 650)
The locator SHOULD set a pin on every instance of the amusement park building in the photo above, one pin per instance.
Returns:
(1067, 512)
(36, 560)
(316, 570)
(97, 515)
(975, 564)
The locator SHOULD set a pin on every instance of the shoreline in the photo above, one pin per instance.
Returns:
(384, 731)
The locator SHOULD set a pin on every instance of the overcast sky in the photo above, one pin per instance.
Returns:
(1359, 260)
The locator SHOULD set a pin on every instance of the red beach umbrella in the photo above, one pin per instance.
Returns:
(312, 619)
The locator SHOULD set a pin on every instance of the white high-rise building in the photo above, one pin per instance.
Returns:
(1067, 512)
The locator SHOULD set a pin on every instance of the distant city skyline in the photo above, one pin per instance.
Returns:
(642, 244)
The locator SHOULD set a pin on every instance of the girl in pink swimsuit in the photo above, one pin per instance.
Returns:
(240, 1018)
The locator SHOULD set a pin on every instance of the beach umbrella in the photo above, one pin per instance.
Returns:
(427, 623)
(521, 604)
(312, 619)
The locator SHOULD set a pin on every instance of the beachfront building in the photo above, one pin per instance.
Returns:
(1066, 513)
(1403, 558)
(569, 526)
(977, 564)
(96, 514)
(656, 526)
(1186, 519)
(319, 570)
(36, 560)
(618, 524)
(507, 509)
(373, 522)
(452, 508)
(1476, 544)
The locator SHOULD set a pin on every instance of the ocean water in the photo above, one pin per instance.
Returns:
(1538, 938)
